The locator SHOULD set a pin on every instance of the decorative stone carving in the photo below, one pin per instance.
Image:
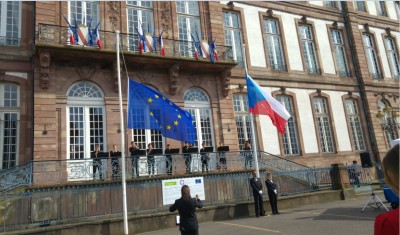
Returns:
(225, 80)
(44, 60)
(114, 9)
(335, 25)
(304, 19)
(270, 12)
(366, 27)
(166, 17)
(388, 32)
(85, 71)
(283, 90)
(195, 79)
(173, 78)
(230, 5)
(319, 91)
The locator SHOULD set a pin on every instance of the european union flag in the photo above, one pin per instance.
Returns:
(149, 109)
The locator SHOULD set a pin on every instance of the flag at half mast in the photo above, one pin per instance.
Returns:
(149, 109)
(261, 102)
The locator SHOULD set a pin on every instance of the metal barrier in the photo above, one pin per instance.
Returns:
(55, 205)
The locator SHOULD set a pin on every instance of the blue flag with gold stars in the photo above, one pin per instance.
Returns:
(149, 109)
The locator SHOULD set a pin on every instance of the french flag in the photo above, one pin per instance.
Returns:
(71, 36)
(261, 102)
(98, 38)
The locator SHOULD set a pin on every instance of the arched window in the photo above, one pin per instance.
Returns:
(353, 117)
(142, 137)
(242, 117)
(9, 124)
(290, 138)
(85, 120)
(197, 103)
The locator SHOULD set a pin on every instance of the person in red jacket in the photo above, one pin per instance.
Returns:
(388, 223)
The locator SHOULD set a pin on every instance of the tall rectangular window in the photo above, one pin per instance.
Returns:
(324, 124)
(331, 4)
(233, 35)
(10, 23)
(308, 45)
(140, 18)
(290, 138)
(274, 45)
(9, 125)
(242, 117)
(392, 57)
(353, 118)
(339, 52)
(84, 12)
(381, 8)
(188, 26)
(360, 6)
(372, 58)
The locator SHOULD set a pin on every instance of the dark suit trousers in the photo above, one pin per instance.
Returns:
(273, 200)
(258, 204)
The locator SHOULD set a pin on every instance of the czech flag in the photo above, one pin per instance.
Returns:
(261, 102)
(98, 38)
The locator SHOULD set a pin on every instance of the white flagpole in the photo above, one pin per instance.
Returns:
(121, 120)
(254, 142)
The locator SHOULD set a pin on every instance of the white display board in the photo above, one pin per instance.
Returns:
(171, 189)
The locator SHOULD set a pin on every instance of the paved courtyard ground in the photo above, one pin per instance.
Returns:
(339, 217)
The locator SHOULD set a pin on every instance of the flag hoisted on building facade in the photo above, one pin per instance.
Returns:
(149, 109)
(261, 102)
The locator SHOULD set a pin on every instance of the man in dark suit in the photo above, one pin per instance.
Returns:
(187, 157)
(97, 164)
(168, 158)
(186, 207)
(204, 158)
(256, 185)
(272, 194)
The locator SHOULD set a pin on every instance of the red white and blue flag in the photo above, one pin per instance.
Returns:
(71, 36)
(261, 102)
(161, 43)
(98, 38)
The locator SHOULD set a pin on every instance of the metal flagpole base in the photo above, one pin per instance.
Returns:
(376, 204)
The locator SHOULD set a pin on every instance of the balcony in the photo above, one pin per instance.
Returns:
(279, 67)
(8, 41)
(57, 37)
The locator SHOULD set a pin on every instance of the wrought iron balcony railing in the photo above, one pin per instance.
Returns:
(58, 35)
(8, 41)
(278, 67)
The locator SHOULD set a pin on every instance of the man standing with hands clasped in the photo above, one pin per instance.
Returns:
(272, 194)
(256, 185)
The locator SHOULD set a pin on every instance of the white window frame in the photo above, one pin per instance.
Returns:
(4, 38)
(381, 8)
(353, 117)
(323, 121)
(84, 17)
(287, 102)
(275, 50)
(309, 50)
(86, 103)
(241, 109)
(196, 107)
(392, 56)
(338, 47)
(9, 110)
(236, 45)
(372, 58)
(133, 42)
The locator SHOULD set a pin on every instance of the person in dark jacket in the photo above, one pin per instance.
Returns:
(256, 185)
(186, 206)
(272, 194)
